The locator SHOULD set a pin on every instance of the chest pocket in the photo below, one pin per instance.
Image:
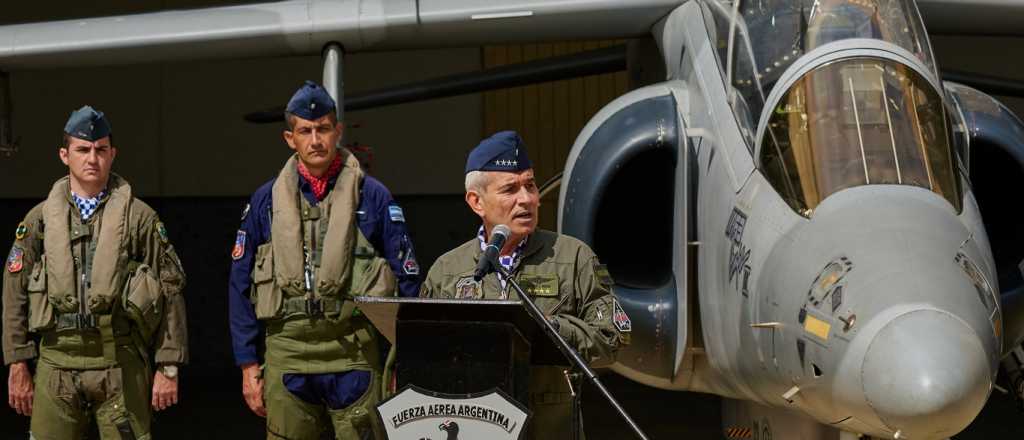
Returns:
(144, 301)
(371, 274)
(40, 311)
(265, 296)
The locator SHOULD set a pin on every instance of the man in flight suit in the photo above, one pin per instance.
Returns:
(561, 273)
(318, 234)
(93, 275)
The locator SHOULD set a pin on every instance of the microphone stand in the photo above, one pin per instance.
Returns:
(566, 349)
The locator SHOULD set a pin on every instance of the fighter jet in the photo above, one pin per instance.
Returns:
(799, 218)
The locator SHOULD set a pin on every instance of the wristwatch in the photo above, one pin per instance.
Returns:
(169, 371)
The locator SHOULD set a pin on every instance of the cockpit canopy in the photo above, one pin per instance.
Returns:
(859, 121)
(758, 39)
(852, 121)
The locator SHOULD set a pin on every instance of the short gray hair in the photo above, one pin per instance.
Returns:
(477, 181)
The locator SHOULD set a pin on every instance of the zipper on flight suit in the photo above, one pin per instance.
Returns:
(83, 283)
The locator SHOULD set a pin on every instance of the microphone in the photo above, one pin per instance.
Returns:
(499, 234)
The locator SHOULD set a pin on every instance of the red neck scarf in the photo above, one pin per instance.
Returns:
(319, 184)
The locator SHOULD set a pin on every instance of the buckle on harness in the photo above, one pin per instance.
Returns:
(314, 307)
(85, 321)
(77, 321)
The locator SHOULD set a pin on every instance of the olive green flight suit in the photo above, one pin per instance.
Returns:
(104, 296)
(303, 281)
(561, 274)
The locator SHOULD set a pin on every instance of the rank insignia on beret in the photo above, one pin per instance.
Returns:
(21, 232)
(16, 260)
(245, 211)
(620, 318)
(396, 214)
(161, 231)
(238, 251)
(468, 288)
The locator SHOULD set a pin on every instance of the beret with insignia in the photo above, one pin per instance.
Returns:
(87, 124)
(310, 102)
(504, 151)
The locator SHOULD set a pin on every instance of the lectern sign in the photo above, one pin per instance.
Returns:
(418, 414)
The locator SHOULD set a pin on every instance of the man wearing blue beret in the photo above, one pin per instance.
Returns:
(93, 274)
(312, 238)
(561, 273)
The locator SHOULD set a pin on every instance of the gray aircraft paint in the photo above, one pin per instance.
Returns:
(757, 259)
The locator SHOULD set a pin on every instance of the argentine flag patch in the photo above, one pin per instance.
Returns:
(396, 214)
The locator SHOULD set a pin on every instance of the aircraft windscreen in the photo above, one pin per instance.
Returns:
(758, 39)
(859, 121)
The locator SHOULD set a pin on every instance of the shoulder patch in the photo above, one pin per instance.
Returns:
(16, 260)
(621, 320)
(161, 231)
(396, 213)
(468, 288)
(238, 251)
(603, 276)
(409, 265)
(245, 211)
(21, 232)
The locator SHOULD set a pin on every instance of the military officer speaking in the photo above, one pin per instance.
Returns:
(560, 272)
(93, 275)
(313, 237)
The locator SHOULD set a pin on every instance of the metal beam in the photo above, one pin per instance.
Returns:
(595, 62)
(334, 76)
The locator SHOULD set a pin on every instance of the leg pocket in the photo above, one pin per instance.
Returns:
(56, 409)
(359, 420)
(288, 417)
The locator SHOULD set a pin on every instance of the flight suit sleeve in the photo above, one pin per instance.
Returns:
(245, 328)
(171, 339)
(431, 287)
(382, 221)
(592, 330)
(24, 254)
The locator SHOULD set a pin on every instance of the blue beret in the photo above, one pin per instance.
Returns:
(311, 102)
(504, 151)
(87, 124)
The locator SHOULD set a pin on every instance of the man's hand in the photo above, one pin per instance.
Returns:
(165, 391)
(19, 389)
(252, 388)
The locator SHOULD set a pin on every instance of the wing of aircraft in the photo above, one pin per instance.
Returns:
(304, 27)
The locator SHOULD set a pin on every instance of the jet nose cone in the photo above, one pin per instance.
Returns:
(926, 374)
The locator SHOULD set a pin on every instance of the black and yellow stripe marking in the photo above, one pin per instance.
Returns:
(739, 433)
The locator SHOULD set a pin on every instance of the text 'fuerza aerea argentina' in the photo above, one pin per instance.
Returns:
(465, 411)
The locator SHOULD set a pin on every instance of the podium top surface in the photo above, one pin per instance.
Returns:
(385, 312)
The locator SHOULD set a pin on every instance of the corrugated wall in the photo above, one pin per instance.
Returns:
(549, 116)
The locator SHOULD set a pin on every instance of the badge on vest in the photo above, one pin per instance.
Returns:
(21, 232)
(238, 251)
(468, 288)
(16, 260)
(245, 212)
(396, 213)
(620, 318)
(539, 285)
(162, 231)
